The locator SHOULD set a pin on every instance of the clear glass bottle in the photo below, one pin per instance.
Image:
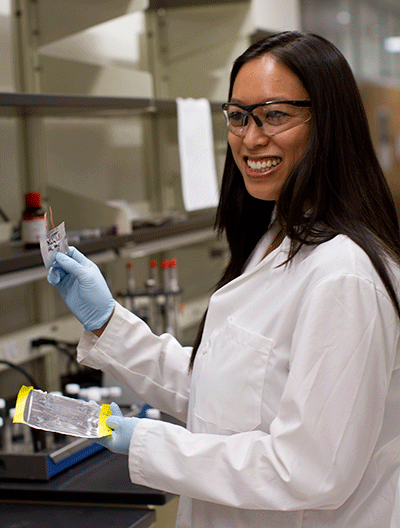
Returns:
(33, 225)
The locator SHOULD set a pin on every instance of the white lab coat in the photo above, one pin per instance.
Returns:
(293, 406)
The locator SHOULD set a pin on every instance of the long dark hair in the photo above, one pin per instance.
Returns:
(338, 174)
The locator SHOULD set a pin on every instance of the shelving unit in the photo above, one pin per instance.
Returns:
(19, 266)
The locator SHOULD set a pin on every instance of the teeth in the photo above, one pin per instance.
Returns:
(263, 165)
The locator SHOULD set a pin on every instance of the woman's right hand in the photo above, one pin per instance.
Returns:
(83, 288)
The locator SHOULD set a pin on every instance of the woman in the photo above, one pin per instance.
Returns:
(293, 393)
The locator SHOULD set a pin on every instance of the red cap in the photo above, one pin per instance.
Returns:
(164, 264)
(129, 265)
(33, 199)
(172, 263)
(153, 263)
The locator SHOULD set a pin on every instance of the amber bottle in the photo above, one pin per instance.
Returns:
(33, 225)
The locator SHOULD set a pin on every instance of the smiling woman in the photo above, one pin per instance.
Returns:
(266, 152)
(293, 389)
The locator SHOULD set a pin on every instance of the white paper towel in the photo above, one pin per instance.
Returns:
(196, 151)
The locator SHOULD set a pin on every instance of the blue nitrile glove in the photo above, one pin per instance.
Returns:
(122, 432)
(83, 288)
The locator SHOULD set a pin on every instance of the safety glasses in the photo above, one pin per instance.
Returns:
(272, 117)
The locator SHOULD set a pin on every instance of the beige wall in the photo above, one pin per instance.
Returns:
(378, 100)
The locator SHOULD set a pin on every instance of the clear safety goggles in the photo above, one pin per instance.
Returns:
(272, 117)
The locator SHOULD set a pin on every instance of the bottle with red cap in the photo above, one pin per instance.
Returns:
(154, 271)
(33, 225)
(173, 275)
(155, 300)
(130, 278)
(132, 300)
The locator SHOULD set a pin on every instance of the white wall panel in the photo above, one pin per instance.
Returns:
(276, 15)
(61, 18)
(113, 42)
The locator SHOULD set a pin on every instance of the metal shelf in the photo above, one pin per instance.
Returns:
(20, 266)
(165, 4)
(14, 104)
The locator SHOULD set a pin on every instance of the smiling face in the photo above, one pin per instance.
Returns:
(265, 162)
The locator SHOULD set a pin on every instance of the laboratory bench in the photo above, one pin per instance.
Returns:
(56, 516)
(96, 492)
(100, 479)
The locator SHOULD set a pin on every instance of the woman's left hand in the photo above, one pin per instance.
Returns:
(122, 430)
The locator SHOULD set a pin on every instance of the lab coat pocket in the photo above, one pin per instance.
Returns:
(229, 385)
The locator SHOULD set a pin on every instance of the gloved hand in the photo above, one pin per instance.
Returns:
(83, 288)
(122, 432)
